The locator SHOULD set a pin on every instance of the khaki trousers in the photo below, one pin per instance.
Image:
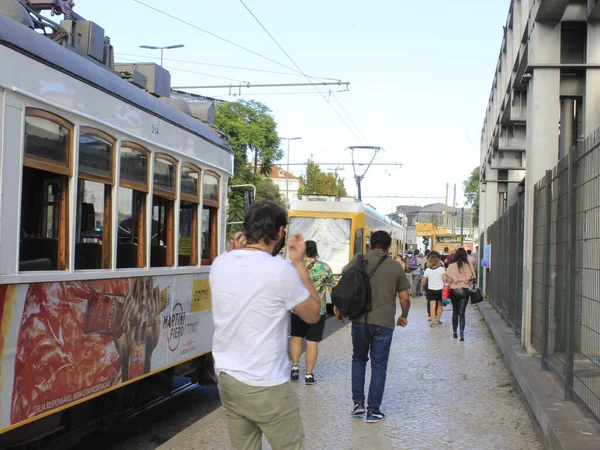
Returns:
(254, 410)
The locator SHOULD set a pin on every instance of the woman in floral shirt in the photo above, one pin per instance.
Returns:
(323, 279)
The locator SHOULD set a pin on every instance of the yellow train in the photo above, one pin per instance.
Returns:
(341, 229)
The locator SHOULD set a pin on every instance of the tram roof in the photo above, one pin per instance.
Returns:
(338, 207)
(73, 63)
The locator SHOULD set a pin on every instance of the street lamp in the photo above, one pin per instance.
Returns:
(287, 177)
(151, 47)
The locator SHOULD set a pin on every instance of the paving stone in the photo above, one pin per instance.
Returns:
(440, 394)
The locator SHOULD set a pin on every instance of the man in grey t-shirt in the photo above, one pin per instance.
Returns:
(372, 332)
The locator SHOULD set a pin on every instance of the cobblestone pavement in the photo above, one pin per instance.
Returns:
(440, 394)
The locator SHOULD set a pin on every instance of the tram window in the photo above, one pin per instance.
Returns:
(46, 140)
(133, 187)
(188, 216)
(163, 219)
(46, 170)
(210, 194)
(209, 234)
(92, 248)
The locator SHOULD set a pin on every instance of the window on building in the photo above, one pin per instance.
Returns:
(133, 188)
(163, 208)
(93, 249)
(210, 209)
(46, 171)
(188, 216)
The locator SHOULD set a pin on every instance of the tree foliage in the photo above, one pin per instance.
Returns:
(316, 182)
(471, 190)
(252, 134)
(251, 130)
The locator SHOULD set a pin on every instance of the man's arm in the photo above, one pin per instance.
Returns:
(404, 300)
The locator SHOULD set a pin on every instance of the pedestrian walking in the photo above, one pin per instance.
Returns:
(372, 332)
(472, 261)
(414, 266)
(434, 278)
(252, 292)
(323, 280)
(460, 275)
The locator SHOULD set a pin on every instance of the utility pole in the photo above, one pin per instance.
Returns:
(446, 206)
(358, 178)
(454, 211)
(462, 220)
(287, 176)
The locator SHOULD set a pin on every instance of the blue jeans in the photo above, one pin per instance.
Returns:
(378, 340)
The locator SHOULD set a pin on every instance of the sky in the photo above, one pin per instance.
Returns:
(420, 75)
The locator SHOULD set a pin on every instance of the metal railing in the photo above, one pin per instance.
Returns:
(565, 324)
(504, 287)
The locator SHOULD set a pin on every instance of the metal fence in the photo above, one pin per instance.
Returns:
(565, 326)
(505, 288)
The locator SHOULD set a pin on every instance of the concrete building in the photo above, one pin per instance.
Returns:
(545, 97)
(287, 183)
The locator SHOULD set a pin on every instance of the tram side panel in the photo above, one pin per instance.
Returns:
(64, 343)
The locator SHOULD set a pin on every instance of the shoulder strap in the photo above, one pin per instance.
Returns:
(383, 258)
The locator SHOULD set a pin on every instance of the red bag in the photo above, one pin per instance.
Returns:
(446, 292)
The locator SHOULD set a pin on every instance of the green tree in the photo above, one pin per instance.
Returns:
(471, 190)
(316, 182)
(251, 130)
(252, 133)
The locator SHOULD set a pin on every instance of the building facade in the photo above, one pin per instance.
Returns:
(287, 183)
(544, 99)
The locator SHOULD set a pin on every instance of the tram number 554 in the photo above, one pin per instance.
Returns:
(155, 130)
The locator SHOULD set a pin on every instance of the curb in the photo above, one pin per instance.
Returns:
(562, 424)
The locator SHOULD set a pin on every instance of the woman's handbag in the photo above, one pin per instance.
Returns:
(446, 292)
(475, 294)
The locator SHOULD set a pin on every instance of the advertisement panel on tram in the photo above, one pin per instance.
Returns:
(63, 342)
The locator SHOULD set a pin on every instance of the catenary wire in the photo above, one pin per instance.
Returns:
(226, 66)
(273, 93)
(302, 72)
(214, 35)
(185, 70)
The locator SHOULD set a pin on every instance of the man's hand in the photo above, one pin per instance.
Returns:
(338, 314)
(297, 248)
(402, 321)
(239, 241)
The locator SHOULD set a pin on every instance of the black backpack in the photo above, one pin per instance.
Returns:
(352, 295)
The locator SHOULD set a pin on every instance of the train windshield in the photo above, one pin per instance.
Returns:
(331, 235)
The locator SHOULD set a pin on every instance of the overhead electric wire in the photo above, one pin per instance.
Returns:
(274, 93)
(302, 72)
(348, 115)
(214, 35)
(188, 71)
(225, 66)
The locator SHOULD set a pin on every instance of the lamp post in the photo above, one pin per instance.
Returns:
(169, 47)
(287, 177)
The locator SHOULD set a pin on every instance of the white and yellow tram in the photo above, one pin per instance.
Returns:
(341, 229)
(111, 211)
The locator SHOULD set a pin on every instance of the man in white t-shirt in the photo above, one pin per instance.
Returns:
(252, 292)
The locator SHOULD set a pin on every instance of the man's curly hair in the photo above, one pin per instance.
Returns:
(263, 222)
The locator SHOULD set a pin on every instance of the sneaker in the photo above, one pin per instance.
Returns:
(358, 410)
(374, 415)
(310, 379)
(295, 375)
